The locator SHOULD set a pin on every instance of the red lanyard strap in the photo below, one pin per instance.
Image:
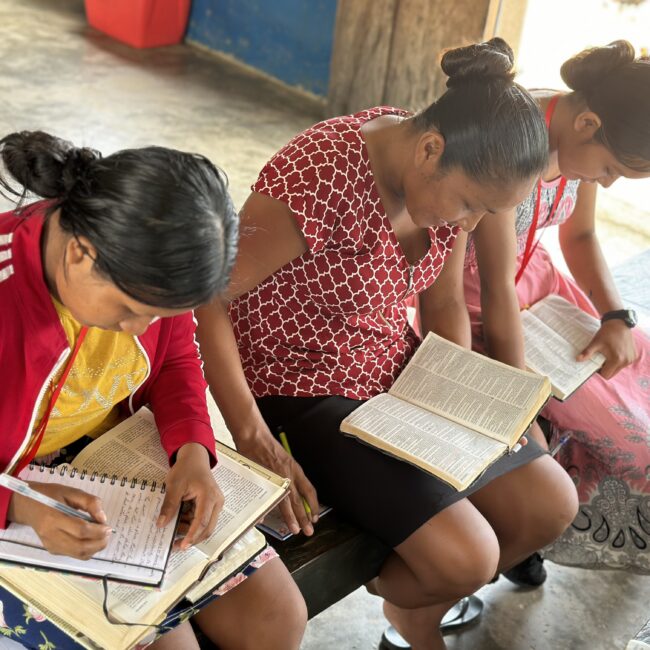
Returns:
(531, 244)
(32, 449)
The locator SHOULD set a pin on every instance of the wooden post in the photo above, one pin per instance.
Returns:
(362, 38)
(388, 51)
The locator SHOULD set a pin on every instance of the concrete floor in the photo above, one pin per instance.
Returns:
(57, 75)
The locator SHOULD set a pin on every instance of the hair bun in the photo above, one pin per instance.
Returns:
(36, 160)
(482, 62)
(76, 166)
(587, 68)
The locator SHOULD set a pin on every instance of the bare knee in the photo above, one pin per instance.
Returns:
(470, 563)
(552, 507)
(265, 612)
(460, 561)
(279, 624)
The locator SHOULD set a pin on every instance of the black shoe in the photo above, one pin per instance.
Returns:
(466, 612)
(529, 573)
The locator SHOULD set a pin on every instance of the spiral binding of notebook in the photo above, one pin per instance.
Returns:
(113, 479)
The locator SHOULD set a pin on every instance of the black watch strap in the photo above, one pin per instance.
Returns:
(628, 316)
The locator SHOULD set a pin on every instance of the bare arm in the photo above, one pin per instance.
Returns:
(269, 239)
(442, 305)
(495, 240)
(583, 255)
(587, 264)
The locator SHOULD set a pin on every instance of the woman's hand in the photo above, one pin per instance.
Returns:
(615, 342)
(59, 533)
(191, 480)
(264, 449)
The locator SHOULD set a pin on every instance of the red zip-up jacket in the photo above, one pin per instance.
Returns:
(33, 347)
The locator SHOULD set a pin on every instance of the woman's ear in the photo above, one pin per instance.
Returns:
(429, 150)
(79, 252)
(586, 124)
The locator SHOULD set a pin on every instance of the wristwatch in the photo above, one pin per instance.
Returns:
(628, 316)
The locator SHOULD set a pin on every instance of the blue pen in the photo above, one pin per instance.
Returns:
(20, 487)
(563, 440)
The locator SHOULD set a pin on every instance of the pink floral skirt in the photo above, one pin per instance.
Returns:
(608, 453)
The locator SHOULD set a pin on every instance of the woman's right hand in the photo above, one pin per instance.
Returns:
(264, 449)
(59, 533)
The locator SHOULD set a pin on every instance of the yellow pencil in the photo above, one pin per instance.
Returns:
(285, 444)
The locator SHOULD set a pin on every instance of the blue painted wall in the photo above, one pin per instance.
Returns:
(288, 39)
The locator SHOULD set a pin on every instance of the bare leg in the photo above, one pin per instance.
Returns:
(528, 508)
(450, 556)
(265, 612)
(521, 511)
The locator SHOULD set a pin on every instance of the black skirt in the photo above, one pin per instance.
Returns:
(378, 493)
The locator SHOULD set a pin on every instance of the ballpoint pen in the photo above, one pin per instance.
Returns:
(563, 440)
(20, 487)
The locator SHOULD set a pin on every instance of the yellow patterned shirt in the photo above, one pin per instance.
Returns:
(108, 368)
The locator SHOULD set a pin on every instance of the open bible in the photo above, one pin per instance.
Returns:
(555, 332)
(133, 447)
(452, 412)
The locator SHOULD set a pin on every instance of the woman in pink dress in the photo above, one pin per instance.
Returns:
(598, 133)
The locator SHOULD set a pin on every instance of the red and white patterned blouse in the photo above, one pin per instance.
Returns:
(333, 321)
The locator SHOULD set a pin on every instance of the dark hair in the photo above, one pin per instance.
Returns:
(161, 220)
(493, 129)
(616, 86)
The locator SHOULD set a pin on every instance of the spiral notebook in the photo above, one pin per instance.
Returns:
(137, 550)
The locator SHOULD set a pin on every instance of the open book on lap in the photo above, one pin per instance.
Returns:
(555, 332)
(250, 491)
(451, 412)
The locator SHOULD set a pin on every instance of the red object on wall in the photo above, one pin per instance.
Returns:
(140, 23)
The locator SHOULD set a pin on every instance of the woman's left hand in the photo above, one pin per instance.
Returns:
(191, 480)
(615, 342)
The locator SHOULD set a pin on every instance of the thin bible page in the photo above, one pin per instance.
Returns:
(553, 356)
(470, 389)
(245, 492)
(132, 448)
(447, 448)
(567, 321)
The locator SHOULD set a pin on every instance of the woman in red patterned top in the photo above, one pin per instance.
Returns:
(346, 221)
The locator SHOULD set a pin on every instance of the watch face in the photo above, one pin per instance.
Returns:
(630, 319)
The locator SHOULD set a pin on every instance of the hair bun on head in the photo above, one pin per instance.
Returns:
(480, 62)
(587, 68)
(43, 164)
(76, 165)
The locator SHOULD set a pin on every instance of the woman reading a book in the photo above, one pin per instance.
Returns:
(97, 284)
(598, 132)
(344, 223)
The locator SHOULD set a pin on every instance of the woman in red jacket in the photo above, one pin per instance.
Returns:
(97, 284)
